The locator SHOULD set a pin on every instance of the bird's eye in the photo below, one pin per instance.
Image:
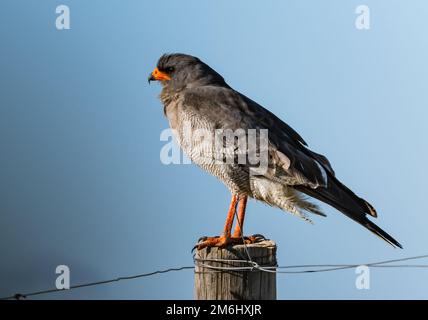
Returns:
(169, 69)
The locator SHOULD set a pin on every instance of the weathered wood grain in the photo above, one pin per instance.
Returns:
(231, 284)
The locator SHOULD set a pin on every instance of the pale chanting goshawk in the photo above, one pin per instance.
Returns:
(197, 99)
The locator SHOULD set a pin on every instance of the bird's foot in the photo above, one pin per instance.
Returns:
(218, 241)
(255, 238)
(223, 241)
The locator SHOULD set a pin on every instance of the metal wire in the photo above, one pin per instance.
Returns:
(321, 267)
(251, 267)
(90, 284)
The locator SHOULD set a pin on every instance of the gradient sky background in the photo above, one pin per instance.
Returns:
(81, 182)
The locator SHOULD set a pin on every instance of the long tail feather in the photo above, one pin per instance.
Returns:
(343, 199)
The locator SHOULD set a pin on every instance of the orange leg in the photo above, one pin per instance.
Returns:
(239, 228)
(230, 216)
(226, 238)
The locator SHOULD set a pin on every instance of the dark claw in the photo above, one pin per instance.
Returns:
(202, 239)
(259, 236)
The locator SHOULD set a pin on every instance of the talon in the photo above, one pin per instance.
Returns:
(255, 238)
(218, 241)
(223, 241)
(202, 239)
(250, 239)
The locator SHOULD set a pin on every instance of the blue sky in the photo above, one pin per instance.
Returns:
(80, 175)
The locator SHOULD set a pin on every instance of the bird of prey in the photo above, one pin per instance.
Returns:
(197, 99)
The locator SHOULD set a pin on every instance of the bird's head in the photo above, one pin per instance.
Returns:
(178, 71)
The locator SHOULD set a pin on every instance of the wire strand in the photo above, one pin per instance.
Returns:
(321, 268)
(252, 266)
(96, 283)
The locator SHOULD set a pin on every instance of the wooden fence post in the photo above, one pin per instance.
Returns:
(253, 284)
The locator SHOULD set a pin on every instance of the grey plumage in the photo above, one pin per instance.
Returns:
(198, 97)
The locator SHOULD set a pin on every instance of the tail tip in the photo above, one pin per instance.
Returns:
(372, 210)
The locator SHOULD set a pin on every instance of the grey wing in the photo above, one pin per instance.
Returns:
(312, 171)
(289, 159)
(305, 166)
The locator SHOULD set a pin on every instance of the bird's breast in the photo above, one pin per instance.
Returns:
(196, 136)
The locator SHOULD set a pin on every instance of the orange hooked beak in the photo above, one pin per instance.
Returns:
(158, 75)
